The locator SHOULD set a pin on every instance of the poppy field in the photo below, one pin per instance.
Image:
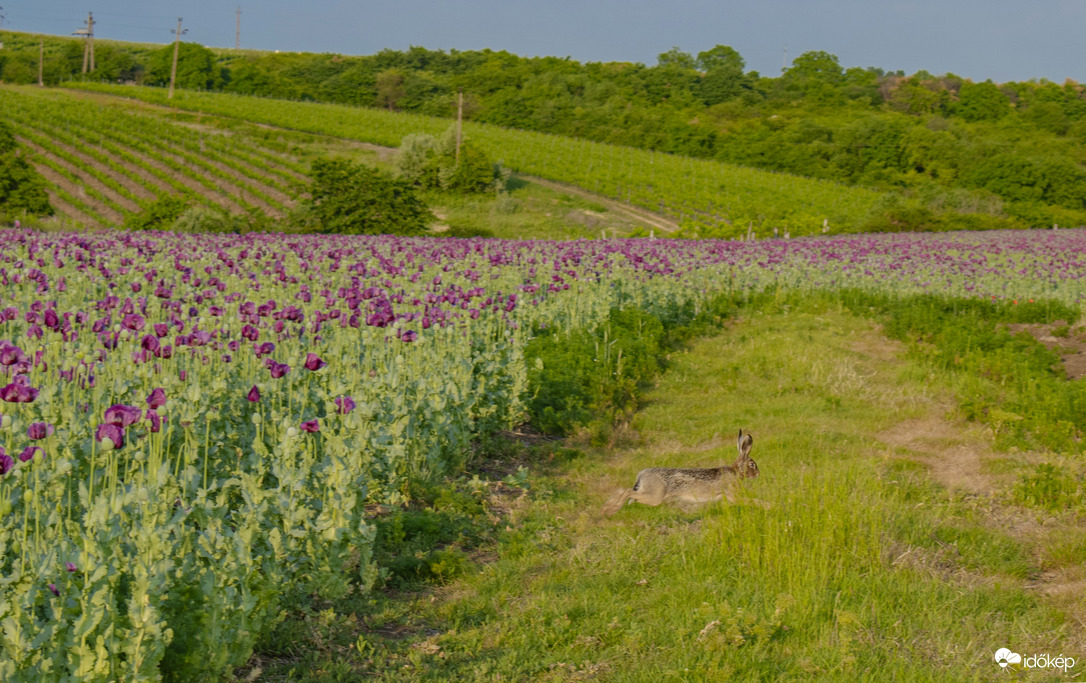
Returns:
(194, 425)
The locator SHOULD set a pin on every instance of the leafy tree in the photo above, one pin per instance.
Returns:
(390, 89)
(677, 58)
(1048, 116)
(197, 68)
(816, 66)
(982, 102)
(21, 188)
(720, 57)
(354, 199)
(916, 97)
(431, 162)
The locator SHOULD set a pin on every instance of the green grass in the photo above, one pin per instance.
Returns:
(863, 569)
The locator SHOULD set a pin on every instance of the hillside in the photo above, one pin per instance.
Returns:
(1011, 149)
(104, 162)
(108, 157)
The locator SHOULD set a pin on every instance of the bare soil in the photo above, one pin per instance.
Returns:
(1068, 341)
(960, 456)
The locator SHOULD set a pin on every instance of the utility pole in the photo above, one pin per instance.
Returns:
(784, 60)
(88, 43)
(41, 64)
(176, 49)
(237, 31)
(459, 121)
(90, 38)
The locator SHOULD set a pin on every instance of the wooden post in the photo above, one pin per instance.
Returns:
(459, 122)
(86, 46)
(41, 64)
(176, 49)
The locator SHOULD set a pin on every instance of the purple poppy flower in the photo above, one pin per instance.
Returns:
(161, 329)
(122, 415)
(251, 333)
(345, 404)
(154, 419)
(53, 588)
(110, 431)
(279, 370)
(254, 394)
(157, 399)
(311, 426)
(18, 393)
(149, 343)
(40, 430)
(133, 321)
(409, 336)
(313, 362)
(10, 354)
(28, 453)
(70, 566)
(7, 463)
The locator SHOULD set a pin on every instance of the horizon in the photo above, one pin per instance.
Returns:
(1035, 43)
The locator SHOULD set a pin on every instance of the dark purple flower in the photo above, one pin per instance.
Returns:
(409, 336)
(154, 419)
(10, 354)
(39, 430)
(313, 362)
(110, 431)
(53, 588)
(345, 404)
(70, 566)
(122, 415)
(7, 463)
(28, 453)
(149, 343)
(157, 399)
(18, 393)
(133, 321)
(279, 370)
(254, 394)
(311, 426)
(161, 329)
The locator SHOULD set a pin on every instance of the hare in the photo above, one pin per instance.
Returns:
(657, 485)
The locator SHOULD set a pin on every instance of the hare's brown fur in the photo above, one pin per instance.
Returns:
(691, 485)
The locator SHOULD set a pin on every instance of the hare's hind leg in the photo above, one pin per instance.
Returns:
(615, 502)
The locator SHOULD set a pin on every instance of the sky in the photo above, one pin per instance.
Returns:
(1002, 40)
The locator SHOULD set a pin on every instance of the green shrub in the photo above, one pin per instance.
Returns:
(458, 229)
(160, 214)
(21, 188)
(349, 198)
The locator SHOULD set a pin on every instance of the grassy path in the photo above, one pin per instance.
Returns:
(888, 554)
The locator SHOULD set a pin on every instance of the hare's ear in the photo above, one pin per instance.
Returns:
(746, 441)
